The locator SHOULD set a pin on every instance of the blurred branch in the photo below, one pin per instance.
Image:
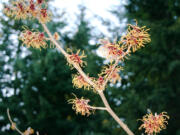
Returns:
(13, 124)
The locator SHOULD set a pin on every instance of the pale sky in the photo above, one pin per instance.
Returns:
(94, 7)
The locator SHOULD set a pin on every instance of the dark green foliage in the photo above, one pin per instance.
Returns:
(154, 71)
(42, 84)
(41, 80)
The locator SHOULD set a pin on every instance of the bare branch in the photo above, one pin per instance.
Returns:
(111, 112)
(98, 108)
(78, 68)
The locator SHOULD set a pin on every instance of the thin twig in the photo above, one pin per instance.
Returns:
(78, 68)
(98, 108)
(111, 112)
(13, 123)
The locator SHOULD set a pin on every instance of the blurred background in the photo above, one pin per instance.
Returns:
(36, 84)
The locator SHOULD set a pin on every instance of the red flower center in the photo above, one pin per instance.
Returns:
(29, 32)
(75, 58)
(44, 12)
(20, 6)
(32, 6)
(41, 36)
(100, 80)
(39, 1)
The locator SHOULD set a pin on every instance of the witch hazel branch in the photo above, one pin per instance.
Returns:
(135, 38)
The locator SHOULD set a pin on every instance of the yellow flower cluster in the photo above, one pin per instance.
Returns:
(76, 58)
(99, 82)
(81, 106)
(79, 82)
(112, 73)
(44, 16)
(136, 37)
(23, 9)
(29, 131)
(110, 51)
(153, 124)
(33, 39)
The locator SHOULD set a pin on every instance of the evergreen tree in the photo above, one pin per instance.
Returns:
(153, 73)
(41, 82)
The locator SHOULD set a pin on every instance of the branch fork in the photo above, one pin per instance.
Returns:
(100, 92)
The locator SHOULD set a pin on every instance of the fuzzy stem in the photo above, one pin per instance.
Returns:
(78, 68)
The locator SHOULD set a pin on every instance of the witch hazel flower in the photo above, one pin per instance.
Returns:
(136, 37)
(112, 73)
(19, 10)
(153, 124)
(33, 39)
(23, 9)
(7, 10)
(76, 58)
(32, 9)
(110, 51)
(40, 2)
(99, 83)
(81, 106)
(44, 16)
(79, 82)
